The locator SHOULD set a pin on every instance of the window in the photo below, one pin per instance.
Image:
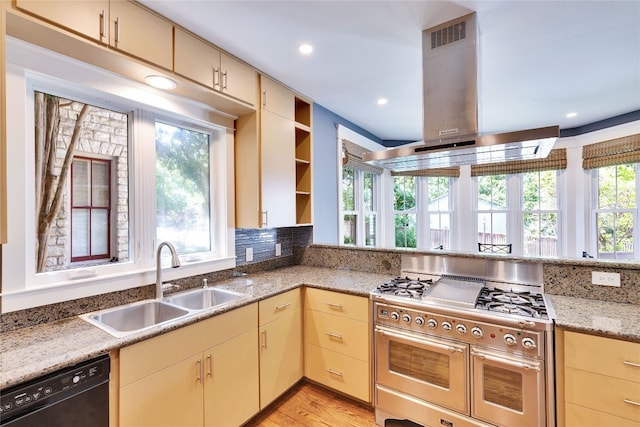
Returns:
(405, 211)
(90, 209)
(540, 213)
(438, 210)
(183, 188)
(359, 207)
(492, 209)
(616, 212)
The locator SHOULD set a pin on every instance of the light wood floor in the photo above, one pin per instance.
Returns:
(309, 405)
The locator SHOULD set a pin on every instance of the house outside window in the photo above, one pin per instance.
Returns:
(360, 198)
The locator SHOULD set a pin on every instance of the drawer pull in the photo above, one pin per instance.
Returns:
(334, 335)
(333, 304)
(631, 402)
(635, 365)
(264, 339)
(332, 372)
(283, 306)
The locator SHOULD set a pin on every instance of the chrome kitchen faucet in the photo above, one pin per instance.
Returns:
(175, 263)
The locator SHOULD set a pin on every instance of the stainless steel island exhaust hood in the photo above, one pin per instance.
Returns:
(451, 138)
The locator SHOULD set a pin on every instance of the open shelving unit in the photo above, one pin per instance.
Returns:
(302, 121)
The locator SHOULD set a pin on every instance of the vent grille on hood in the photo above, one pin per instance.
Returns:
(450, 116)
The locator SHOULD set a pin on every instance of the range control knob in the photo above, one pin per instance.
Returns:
(406, 318)
(510, 339)
(446, 326)
(432, 323)
(528, 343)
(461, 329)
(476, 332)
(395, 315)
(420, 320)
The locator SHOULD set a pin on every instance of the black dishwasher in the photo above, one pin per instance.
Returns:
(77, 396)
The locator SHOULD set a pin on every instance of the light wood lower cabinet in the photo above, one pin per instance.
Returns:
(337, 335)
(203, 374)
(280, 345)
(599, 381)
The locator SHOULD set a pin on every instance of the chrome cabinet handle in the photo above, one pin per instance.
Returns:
(117, 27)
(264, 339)
(264, 218)
(333, 304)
(332, 372)
(422, 343)
(334, 335)
(103, 23)
(199, 370)
(631, 402)
(635, 365)
(210, 360)
(216, 77)
(282, 307)
(224, 80)
(264, 98)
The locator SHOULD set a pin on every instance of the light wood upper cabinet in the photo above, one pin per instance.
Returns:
(277, 98)
(141, 33)
(123, 25)
(89, 18)
(204, 63)
(280, 345)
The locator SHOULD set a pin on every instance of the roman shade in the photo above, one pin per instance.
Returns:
(452, 172)
(352, 153)
(557, 159)
(617, 151)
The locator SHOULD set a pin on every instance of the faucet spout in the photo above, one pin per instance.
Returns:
(175, 263)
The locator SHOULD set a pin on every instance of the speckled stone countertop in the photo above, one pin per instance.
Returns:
(34, 351)
(610, 319)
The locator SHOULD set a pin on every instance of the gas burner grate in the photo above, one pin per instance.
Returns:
(406, 287)
(522, 303)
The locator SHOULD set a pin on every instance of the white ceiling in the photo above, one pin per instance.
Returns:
(538, 59)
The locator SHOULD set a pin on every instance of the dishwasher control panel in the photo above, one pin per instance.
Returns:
(46, 390)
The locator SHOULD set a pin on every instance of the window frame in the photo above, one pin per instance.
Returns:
(424, 213)
(360, 210)
(31, 68)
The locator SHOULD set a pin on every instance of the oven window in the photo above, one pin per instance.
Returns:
(502, 387)
(419, 363)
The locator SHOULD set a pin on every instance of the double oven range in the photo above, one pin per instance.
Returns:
(464, 342)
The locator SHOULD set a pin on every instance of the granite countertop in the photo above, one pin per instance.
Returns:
(609, 319)
(38, 350)
(33, 351)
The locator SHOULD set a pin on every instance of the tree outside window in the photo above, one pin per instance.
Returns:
(404, 206)
(492, 209)
(540, 213)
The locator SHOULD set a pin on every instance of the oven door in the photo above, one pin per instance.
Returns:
(430, 369)
(507, 391)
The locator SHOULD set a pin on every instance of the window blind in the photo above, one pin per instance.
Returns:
(617, 151)
(353, 153)
(557, 159)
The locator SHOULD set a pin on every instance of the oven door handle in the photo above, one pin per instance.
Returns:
(521, 365)
(423, 342)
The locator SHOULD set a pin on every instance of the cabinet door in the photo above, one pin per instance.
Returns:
(238, 79)
(231, 381)
(169, 397)
(139, 32)
(277, 98)
(196, 59)
(278, 171)
(280, 356)
(89, 18)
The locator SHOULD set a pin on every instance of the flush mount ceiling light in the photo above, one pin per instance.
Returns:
(571, 115)
(160, 82)
(305, 49)
(382, 101)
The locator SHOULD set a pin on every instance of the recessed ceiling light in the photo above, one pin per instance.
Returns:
(571, 115)
(382, 101)
(160, 82)
(305, 49)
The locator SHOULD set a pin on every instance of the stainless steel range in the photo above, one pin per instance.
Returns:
(464, 342)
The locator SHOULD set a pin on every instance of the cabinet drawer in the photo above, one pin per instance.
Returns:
(351, 306)
(340, 372)
(579, 416)
(346, 336)
(603, 393)
(605, 356)
(278, 306)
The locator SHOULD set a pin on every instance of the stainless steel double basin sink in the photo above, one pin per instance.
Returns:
(142, 315)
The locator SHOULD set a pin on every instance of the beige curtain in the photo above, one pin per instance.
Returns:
(617, 151)
(557, 159)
